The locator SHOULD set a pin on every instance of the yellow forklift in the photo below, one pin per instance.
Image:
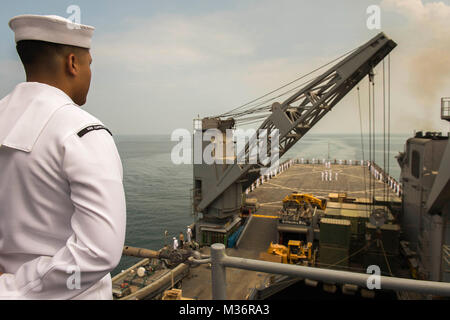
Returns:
(294, 253)
(299, 208)
(296, 200)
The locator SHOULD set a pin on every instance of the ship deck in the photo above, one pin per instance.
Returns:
(305, 178)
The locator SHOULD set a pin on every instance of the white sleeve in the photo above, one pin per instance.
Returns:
(93, 170)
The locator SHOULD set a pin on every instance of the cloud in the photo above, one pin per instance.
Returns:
(427, 49)
(177, 66)
(432, 13)
(154, 74)
(175, 41)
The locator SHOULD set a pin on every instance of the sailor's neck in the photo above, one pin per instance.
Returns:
(61, 85)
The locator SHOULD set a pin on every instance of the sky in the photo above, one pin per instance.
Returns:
(160, 64)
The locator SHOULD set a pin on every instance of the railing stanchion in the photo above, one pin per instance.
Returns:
(218, 272)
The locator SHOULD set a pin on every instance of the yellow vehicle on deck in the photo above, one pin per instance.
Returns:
(294, 253)
(296, 200)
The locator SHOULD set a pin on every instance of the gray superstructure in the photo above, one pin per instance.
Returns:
(427, 230)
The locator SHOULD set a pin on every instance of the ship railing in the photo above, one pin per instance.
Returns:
(349, 162)
(220, 261)
(382, 176)
(269, 175)
(375, 170)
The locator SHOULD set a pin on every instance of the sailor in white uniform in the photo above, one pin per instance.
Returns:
(175, 243)
(189, 234)
(62, 203)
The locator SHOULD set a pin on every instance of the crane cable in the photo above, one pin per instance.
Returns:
(386, 259)
(234, 112)
(371, 167)
(372, 130)
(374, 148)
(384, 129)
(386, 159)
(362, 144)
(389, 119)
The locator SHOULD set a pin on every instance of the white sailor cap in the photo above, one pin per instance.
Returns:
(53, 29)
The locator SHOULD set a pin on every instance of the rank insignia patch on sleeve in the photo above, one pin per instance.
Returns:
(92, 128)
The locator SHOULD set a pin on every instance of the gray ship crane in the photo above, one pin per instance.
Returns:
(217, 196)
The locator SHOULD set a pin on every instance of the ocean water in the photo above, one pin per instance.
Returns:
(158, 192)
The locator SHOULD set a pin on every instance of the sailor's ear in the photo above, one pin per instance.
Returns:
(72, 63)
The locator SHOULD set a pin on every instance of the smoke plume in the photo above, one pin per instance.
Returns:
(429, 45)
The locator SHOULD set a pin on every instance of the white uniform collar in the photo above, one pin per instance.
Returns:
(25, 112)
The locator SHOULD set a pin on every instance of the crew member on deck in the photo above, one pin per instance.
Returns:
(189, 234)
(62, 203)
(175, 243)
(181, 237)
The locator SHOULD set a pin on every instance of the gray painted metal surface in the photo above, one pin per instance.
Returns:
(440, 194)
(426, 185)
(244, 232)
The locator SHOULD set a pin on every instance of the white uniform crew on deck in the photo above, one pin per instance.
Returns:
(62, 203)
